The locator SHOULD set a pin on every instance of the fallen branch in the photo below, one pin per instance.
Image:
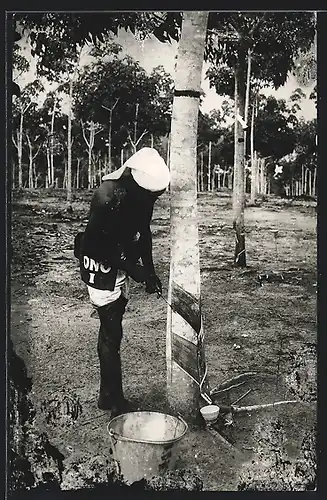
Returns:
(226, 383)
(216, 393)
(241, 397)
(93, 418)
(243, 409)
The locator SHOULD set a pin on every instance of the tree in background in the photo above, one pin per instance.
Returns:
(139, 104)
(299, 168)
(51, 112)
(268, 41)
(27, 98)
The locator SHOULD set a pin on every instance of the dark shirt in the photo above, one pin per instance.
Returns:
(118, 233)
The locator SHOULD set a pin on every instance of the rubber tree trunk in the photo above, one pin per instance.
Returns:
(168, 150)
(239, 177)
(314, 187)
(51, 178)
(253, 194)
(262, 175)
(69, 145)
(109, 142)
(209, 167)
(224, 178)
(78, 173)
(20, 151)
(201, 172)
(186, 370)
(30, 162)
(247, 96)
(48, 156)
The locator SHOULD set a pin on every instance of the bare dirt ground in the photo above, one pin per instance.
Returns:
(265, 326)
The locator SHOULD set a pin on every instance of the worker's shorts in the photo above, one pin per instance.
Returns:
(101, 298)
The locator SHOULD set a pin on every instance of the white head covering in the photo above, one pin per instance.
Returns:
(148, 169)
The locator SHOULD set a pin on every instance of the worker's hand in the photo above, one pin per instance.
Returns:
(153, 284)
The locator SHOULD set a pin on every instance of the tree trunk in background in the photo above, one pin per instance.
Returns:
(51, 178)
(168, 150)
(247, 97)
(30, 162)
(198, 184)
(135, 127)
(20, 151)
(152, 141)
(257, 172)
(90, 169)
(224, 178)
(48, 156)
(64, 182)
(109, 143)
(230, 180)
(302, 180)
(209, 167)
(239, 177)
(305, 184)
(262, 176)
(13, 176)
(253, 194)
(310, 182)
(314, 187)
(78, 173)
(121, 157)
(69, 145)
(186, 369)
(201, 172)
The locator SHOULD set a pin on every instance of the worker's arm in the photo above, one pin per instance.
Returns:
(153, 283)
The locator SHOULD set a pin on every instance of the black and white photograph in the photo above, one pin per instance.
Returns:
(161, 224)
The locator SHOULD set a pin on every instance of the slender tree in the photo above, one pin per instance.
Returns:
(186, 372)
(272, 40)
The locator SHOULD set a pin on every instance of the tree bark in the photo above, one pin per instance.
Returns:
(314, 187)
(310, 183)
(78, 173)
(224, 178)
(201, 172)
(253, 194)
(209, 167)
(30, 162)
(51, 178)
(239, 178)
(69, 145)
(13, 176)
(135, 126)
(247, 96)
(20, 151)
(168, 150)
(186, 369)
(109, 143)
